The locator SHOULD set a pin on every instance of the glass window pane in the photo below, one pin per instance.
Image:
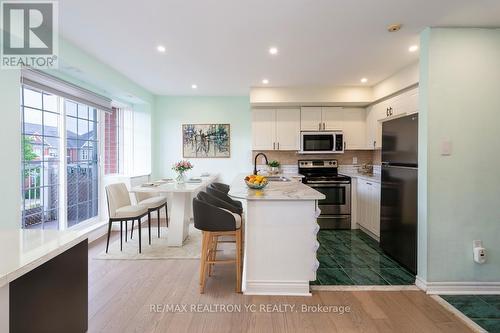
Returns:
(83, 129)
(32, 121)
(92, 130)
(83, 212)
(32, 98)
(83, 111)
(51, 219)
(72, 173)
(50, 102)
(92, 113)
(70, 108)
(50, 124)
(72, 216)
(71, 128)
(29, 153)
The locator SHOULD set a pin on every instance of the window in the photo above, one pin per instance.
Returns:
(51, 123)
(82, 162)
(40, 159)
(112, 124)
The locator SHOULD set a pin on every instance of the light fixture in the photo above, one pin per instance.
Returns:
(413, 48)
(394, 27)
(364, 80)
(273, 50)
(161, 48)
(265, 81)
(194, 86)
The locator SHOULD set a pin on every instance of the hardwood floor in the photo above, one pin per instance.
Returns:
(123, 292)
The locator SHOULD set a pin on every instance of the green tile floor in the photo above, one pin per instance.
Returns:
(351, 257)
(482, 309)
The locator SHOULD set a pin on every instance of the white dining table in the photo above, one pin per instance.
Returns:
(180, 204)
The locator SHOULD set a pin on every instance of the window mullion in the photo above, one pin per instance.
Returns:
(63, 188)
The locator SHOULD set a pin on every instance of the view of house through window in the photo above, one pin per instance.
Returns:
(49, 124)
(40, 159)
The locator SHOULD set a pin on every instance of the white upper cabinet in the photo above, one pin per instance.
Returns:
(288, 129)
(333, 118)
(310, 118)
(276, 129)
(263, 129)
(354, 128)
(398, 106)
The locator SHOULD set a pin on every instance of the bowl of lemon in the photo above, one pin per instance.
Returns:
(256, 182)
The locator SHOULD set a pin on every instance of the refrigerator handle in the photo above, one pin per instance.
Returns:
(385, 163)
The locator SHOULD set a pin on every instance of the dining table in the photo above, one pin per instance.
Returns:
(180, 200)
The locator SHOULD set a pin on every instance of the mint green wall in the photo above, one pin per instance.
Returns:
(460, 82)
(171, 112)
(10, 154)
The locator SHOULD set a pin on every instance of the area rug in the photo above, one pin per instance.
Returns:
(158, 248)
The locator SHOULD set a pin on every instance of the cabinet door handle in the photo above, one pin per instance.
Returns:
(368, 183)
(274, 145)
(319, 126)
(345, 145)
(391, 111)
(324, 126)
(387, 112)
(278, 146)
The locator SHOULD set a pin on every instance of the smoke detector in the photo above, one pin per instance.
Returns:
(394, 27)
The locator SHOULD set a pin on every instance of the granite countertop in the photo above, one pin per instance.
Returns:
(24, 250)
(292, 191)
(282, 174)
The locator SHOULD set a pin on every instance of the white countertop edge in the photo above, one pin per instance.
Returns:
(9, 277)
(277, 199)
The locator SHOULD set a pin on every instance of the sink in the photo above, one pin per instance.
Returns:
(278, 179)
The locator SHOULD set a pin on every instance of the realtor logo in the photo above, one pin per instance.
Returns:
(29, 34)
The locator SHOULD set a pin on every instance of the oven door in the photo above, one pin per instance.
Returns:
(338, 198)
(317, 142)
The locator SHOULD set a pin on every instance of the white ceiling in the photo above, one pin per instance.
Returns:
(222, 45)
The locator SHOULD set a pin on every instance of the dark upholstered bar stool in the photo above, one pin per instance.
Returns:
(221, 187)
(214, 222)
(211, 189)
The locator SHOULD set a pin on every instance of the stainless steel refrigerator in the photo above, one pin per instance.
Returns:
(398, 211)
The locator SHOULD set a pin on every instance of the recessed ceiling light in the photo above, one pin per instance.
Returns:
(161, 48)
(413, 48)
(273, 50)
(364, 80)
(394, 27)
(194, 86)
(265, 81)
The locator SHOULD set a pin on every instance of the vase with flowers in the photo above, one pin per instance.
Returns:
(181, 167)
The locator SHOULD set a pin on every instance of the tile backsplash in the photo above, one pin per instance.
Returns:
(291, 157)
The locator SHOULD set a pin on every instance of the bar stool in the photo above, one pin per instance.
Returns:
(121, 210)
(154, 203)
(224, 205)
(214, 222)
(211, 189)
(221, 187)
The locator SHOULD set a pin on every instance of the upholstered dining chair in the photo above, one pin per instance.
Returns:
(214, 222)
(121, 210)
(154, 203)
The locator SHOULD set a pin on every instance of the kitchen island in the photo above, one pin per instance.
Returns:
(43, 281)
(279, 237)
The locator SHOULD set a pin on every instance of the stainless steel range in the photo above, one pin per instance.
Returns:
(322, 175)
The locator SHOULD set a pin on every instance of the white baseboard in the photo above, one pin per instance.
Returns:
(458, 288)
(278, 288)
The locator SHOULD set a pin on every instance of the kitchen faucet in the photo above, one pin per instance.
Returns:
(255, 162)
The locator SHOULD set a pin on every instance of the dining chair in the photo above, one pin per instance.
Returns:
(214, 222)
(211, 189)
(221, 187)
(154, 203)
(121, 210)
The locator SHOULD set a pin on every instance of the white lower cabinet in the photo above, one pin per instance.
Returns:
(368, 205)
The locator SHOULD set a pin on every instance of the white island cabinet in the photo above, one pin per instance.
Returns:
(279, 237)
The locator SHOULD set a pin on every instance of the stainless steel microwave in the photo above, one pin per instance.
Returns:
(321, 142)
